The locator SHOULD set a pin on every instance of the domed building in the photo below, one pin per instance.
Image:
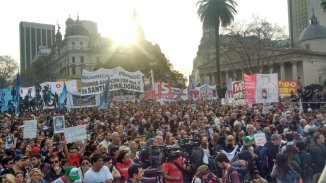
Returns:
(82, 47)
(313, 37)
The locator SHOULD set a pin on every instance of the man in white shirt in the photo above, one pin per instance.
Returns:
(107, 141)
(98, 173)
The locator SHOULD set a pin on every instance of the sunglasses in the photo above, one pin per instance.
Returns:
(52, 162)
(85, 163)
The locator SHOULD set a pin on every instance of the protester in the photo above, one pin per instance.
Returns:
(36, 176)
(98, 172)
(202, 174)
(229, 173)
(135, 174)
(8, 178)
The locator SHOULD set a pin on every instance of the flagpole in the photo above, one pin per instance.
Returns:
(152, 78)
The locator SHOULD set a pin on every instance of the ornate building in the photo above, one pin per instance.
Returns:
(82, 47)
(307, 65)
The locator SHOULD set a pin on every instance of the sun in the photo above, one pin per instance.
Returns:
(124, 34)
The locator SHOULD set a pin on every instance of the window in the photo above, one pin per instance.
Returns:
(73, 59)
(73, 44)
(73, 71)
(82, 60)
(81, 44)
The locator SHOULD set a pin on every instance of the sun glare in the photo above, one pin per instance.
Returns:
(124, 34)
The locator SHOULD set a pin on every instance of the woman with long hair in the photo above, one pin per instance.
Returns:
(123, 163)
(8, 178)
(201, 175)
(36, 176)
(281, 169)
(85, 165)
(20, 177)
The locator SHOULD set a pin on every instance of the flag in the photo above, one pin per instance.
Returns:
(63, 96)
(104, 103)
(17, 99)
(149, 81)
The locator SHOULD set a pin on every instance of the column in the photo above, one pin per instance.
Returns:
(282, 71)
(271, 69)
(226, 77)
(294, 71)
(213, 77)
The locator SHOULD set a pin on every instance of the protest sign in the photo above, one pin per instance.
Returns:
(286, 87)
(30, 129)
(260, 139)
(77, 101)
(24, 91)
(9, 141)
(59, 124)
(75, 133)
(93, 82)
(238, 90)
(261, 88)
(5, 97)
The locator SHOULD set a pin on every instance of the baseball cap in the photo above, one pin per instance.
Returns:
(19, 157)
(72, 173)
(248, 139)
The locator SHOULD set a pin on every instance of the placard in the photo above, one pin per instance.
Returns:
(30, 129)
(58, 124)
(75, 133)
(260, 139)
(9, 141)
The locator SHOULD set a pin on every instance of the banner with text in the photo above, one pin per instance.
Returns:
(75, 100)
(261, 88)
(93, 82)
(286, 87)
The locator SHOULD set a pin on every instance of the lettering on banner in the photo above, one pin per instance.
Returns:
(260, 139)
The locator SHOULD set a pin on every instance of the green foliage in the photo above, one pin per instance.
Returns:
(214, 13)
(144, 56)
(8, 68)
(39, 72)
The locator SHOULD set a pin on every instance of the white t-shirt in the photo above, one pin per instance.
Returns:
(98, 177)
(59, 180)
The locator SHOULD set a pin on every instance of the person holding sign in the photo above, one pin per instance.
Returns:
(72, 155)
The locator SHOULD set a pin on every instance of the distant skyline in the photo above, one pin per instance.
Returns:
(172, 24)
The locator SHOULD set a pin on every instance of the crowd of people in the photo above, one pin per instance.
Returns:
(172, 143)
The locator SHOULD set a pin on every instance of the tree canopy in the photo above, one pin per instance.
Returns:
(144, 56)
(8, 68)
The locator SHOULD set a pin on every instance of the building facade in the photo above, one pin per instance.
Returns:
(33, 37)
(298, 19)
(81, 47)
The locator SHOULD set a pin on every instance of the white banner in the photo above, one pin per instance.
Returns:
(77, 101)
(93, 82)
(24, 91)
(58, 86)
(59, 124)
(30, 129)
(266, 88)
(75, 133)
(260, 139)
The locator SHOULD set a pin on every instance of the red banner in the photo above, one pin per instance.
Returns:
(286, 87)
(250, 87)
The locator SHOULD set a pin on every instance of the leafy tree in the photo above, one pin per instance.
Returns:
(38, 72)
(144, 56)
(256, 45)
(8, 68)
(214, 13)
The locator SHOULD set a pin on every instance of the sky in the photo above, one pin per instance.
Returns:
(172, 24)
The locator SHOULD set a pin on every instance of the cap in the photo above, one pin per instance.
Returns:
(248, 139)
(276, 137)
(72, 173)
(19, 157)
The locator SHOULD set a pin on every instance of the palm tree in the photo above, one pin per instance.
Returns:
(214, 13)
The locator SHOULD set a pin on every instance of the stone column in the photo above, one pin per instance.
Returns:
(282, 71)
(294, 71)
(226, 77)
(213, 78)
(271, 69)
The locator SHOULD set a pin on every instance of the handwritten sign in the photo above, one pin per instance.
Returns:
(30, 129)
(260, 139)
(75, 133)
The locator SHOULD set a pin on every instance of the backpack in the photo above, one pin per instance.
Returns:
(306, 164)
(196, 157)
(263, 162)
(293, 177)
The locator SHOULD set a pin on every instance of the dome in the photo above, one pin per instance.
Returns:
(69, 21)
(313, 31)
(78, 30)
